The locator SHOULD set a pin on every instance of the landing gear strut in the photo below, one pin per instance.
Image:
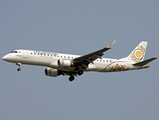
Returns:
(71, 78)
(19, 64)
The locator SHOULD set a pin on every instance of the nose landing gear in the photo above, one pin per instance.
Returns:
(19, 64)
(18, 69)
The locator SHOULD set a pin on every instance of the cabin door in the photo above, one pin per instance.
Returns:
(25, 53)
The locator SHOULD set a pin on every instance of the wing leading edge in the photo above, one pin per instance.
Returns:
(89, 58)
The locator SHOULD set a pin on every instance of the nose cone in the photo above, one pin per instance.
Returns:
(5, 58)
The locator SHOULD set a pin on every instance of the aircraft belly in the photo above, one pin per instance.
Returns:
(91, 67)
(95, 67)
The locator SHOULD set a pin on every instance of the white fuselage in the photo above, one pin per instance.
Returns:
(73, 65)
(50, 59)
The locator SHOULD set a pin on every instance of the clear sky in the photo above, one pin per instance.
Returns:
(79, 27)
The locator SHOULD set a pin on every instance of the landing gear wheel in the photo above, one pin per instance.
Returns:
(18, 69)
(71, 78)
(80, 72)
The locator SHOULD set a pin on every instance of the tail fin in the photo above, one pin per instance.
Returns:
(138, 54)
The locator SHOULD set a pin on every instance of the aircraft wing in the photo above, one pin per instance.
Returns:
(89, 58)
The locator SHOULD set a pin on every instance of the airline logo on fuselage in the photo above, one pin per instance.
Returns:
(44, 53)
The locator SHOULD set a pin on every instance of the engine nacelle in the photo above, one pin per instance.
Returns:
(64, 63)
(51, 72)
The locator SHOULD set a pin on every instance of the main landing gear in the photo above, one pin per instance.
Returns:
(80, 72)
(19, 64)
(71, 78)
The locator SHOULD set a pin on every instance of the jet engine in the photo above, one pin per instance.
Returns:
(51, 72)
(64, 63)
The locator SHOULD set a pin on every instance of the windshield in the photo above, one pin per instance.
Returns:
(14, 52)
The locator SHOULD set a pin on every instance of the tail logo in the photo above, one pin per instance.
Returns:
(138, 54)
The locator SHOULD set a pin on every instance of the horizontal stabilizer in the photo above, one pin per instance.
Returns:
(144, 62)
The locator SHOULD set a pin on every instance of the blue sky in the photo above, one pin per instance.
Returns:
(79, 27)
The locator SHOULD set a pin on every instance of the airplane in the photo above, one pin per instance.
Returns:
(73, 65)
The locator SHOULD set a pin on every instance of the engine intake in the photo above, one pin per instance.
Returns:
(51, 72)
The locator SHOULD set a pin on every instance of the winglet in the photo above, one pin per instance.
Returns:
(112, 44)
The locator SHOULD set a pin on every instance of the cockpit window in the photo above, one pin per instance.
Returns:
(14, 52)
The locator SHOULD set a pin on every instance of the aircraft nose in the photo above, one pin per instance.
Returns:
(5, 57)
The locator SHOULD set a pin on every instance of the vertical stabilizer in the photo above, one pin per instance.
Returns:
(138, 54)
